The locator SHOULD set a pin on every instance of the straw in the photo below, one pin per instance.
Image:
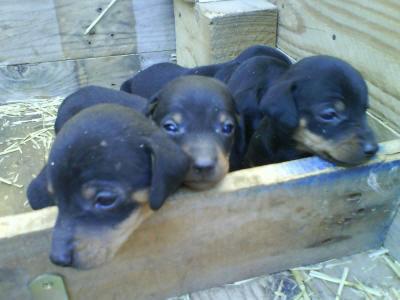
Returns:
(358, 286)
(341, 285)
(99, 17)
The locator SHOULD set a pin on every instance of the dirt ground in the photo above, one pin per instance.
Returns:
(25, 136)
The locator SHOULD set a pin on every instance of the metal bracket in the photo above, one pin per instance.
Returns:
(48, 287)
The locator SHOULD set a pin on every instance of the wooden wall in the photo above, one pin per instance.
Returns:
(44, 51)
(366, 33)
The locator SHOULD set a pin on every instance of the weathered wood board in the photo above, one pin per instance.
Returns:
(365, 33)
(256, 221)
(216, 31)
(60, 78)
(53, 30)
(45, 52)
(392, 241)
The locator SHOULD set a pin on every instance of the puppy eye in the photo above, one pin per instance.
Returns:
(105, 200)
(227, 128)
(329, 115)
(171, 127)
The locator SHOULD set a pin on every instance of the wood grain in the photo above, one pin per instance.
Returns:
(258, 220)
(213, 32)
(53, 30)
(60, 78)
(392, 241)
(365, 33)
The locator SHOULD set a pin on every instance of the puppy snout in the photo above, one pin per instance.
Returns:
(61, 247)
(63, 258)
(204, 164)
(370, 148)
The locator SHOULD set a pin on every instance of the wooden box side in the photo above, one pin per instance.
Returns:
(256, 221)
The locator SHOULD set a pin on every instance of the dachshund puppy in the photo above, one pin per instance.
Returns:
(92, 95)
(198, 113)
(79, 100)
(149, 81)
(314, 107)
(108, 169)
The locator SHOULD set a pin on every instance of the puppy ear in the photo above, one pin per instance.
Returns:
(126, 86)
(152, 105)
(280, 106)
(246, 102)
(169, 167)
(239, 146)
(39, 191)
(240, 134)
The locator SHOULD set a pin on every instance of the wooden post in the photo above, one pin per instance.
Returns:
(216, 31)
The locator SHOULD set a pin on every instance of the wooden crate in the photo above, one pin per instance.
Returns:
(256, 221)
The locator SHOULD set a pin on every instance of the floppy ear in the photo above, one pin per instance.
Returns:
(280, 106)
(126, 86)
(169, 167)
(246, 102)
(153, 101)
(240, 134)
(38, 193)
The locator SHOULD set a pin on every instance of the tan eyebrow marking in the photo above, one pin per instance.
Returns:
(88, 192)
(177, 117)
(340, 106)
(141, 196)
(222, 117)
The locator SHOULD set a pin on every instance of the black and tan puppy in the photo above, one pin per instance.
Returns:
(316, 106)
(83, 98)
(92, 95)
(108, 169)
(198, 113)
(149, 81)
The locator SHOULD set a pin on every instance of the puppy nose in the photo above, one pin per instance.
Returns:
(63, 259)
(370, 148)
(203, 165)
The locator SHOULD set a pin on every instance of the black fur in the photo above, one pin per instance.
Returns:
(198, 113)
(92, 95)
(111, 152)
(149, 81)
(273, 97)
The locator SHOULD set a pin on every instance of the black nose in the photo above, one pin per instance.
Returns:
(370, 148)
(63, 259)
(204, 164)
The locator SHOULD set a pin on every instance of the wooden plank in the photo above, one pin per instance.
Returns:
(155, 25)
(113, 35)
(382, 130)
(392, 241)
(60, 78)
(365, 33)
(258, 220)
(213, 32)
(29, 32)
(202, 1)
(53, 30)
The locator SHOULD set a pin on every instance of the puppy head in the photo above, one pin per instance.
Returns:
(321, 103)
(108, 169)
(198, 114)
